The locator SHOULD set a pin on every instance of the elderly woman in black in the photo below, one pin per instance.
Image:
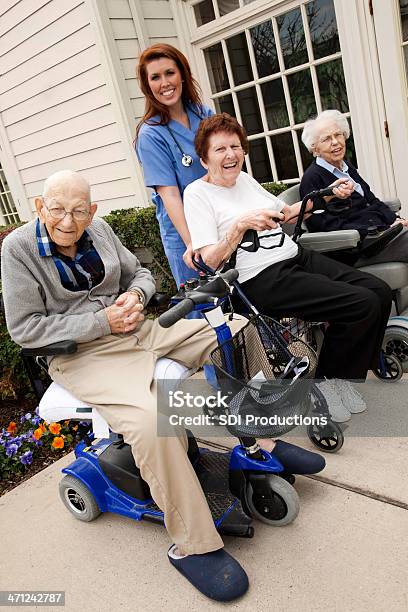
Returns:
(325, 137)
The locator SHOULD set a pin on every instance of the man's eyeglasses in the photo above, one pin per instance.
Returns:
(57, 212)
(327, 139)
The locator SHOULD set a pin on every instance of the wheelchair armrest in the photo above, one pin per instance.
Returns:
(395, 205)
(330, 241)
(159, 300)
(65, 347)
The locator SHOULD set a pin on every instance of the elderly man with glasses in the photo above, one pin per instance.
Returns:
(67, 276)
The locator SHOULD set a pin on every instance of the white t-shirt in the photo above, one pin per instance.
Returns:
(210, 211)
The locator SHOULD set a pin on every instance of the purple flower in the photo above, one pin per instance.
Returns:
(36, 420)
(27, 458)
(37, 442)
(37, 410)
(11, 450)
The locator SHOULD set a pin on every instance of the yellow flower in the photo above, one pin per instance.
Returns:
(54, 428)
(58, 442)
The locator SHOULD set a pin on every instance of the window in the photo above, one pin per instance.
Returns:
(273, 75)
(209, 10)
(8, 212)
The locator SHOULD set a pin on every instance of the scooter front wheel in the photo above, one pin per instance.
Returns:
(78, 499)
(272, 500)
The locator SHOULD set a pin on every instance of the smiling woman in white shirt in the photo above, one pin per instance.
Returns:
(282, 279)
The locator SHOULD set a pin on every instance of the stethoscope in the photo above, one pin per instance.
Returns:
(186, 160)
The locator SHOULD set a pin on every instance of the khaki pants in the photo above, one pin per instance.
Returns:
(115, 374)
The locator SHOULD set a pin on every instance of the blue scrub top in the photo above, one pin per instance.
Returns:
(162, 167)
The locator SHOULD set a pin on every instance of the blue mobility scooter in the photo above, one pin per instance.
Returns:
(247, 482)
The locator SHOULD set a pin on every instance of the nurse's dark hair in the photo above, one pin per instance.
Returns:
(191, 92)
(218, 123)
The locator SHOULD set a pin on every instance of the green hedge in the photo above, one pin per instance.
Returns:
(136, 228)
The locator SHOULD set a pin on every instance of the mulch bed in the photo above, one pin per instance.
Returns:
(12, 410)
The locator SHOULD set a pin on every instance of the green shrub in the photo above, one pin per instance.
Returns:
(13, 378)
(138, 228)
(275, 188)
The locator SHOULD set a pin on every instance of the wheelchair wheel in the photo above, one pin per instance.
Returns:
(78, 499)
(396, 343)
(390, 368)
(327, 438)
(271, 500)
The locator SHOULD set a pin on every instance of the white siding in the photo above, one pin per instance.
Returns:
(155, 19)
(55, 104)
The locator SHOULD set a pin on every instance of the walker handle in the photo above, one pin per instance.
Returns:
(315, 196)
(177, 312)
(214, 288)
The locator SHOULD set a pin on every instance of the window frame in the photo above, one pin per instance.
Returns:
(241, 21)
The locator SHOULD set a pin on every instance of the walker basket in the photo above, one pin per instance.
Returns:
(257, 370)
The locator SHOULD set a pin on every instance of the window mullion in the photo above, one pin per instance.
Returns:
(306, 30)
(310, 54)
(271, 158)
(298, 154)
(278, 45)
(236, 106)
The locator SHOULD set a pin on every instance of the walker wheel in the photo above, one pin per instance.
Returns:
(272, 500)
(389, 368)
(78, 499)
(328, 438)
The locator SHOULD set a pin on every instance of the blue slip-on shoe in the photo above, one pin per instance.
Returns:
(215, 574)
(297, 460)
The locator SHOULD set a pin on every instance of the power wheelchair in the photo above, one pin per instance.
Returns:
(395, 274)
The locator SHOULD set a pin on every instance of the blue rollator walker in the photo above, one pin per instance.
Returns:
(247, 482)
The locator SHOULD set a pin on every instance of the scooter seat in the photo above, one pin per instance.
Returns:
(58, 404)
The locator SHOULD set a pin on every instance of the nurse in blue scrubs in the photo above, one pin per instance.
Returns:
(165, 146)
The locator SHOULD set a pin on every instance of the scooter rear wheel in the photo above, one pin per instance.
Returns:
(272, 500)
(78, 499)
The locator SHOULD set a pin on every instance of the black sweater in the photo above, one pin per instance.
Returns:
(361, 212)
